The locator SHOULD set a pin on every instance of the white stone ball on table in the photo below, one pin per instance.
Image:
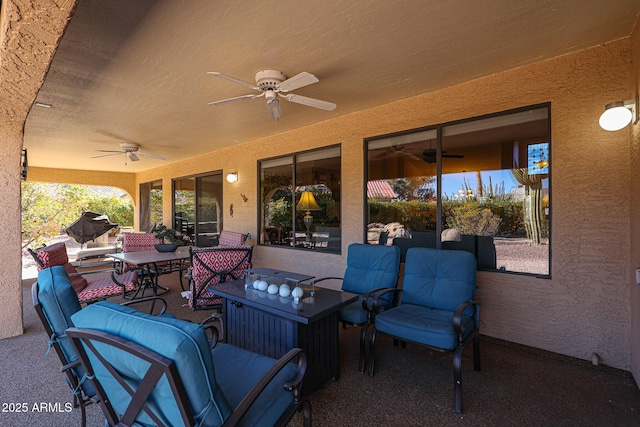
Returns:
(272, 289)
(262, 285)
(297, 292)
(284, 290)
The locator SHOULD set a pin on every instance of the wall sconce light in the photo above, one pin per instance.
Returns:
(619, 114)
(232, 177)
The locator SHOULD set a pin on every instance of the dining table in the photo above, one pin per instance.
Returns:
(152, 264)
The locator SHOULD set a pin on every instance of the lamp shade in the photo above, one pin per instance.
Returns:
(307, 202)
(615, 116)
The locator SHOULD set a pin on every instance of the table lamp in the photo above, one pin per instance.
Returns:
(307, 203)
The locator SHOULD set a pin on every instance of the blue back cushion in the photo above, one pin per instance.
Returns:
(371, 266)
(59, 301)
(183, 342)
(440, 279)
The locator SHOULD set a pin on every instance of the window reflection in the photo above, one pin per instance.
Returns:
(305, 215)
(481, 185)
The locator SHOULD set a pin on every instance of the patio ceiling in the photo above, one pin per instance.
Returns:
(135, 71)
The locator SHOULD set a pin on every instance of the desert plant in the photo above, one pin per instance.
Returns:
(470, 218)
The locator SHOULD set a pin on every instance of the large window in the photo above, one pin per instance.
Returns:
(481, 185)
(304, 215)
(197, 208)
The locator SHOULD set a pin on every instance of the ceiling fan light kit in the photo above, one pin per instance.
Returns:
(271, 84)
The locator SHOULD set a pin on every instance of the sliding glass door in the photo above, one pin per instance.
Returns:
(197, 208)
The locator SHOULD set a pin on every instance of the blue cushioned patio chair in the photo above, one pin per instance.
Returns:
(370, 270)
(55, 301)
(160, 371)
(436, 308)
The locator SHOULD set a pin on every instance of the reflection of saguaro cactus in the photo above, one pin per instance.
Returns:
(532, 203)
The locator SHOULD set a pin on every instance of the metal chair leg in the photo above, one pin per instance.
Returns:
(457, 379)
(372, 352)
(362, 363)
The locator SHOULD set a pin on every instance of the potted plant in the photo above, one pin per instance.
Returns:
(169, 237)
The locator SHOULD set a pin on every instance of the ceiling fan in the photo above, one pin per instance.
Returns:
(273, 84)
(429, 155)
(130, 150)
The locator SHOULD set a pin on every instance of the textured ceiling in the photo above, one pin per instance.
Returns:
(136, 70)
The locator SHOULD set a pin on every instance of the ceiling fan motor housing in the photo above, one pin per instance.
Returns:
(269, 79)
(129, 147)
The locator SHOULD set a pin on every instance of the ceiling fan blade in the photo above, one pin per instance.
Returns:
(233, 79)
(152, 156)
(106, 155)
(234, 99)
(300, 80)
(411, 155)
(310, 102)
(109, 151)
(132, 157)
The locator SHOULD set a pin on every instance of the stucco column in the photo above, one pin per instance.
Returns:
(29, 35)
(10, 247)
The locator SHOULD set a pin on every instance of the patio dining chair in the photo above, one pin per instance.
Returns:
(436, 308)
(160, 371)
(211, 266)
(371, 269)
(232, 238)
(55, 301)
(89, 289)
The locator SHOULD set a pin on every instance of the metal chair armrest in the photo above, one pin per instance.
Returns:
(374, 305)
(295, 385)
(457, 315)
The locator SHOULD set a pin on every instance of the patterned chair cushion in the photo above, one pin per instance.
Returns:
(215, 265)
(231, 238)
(104, 287)
(56, 254)
(52, 255)
(136, 242)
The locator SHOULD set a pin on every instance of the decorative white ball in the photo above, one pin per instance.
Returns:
(284, 290)
(262, 285)
(255, 284)
(297, 292)
(272, 289)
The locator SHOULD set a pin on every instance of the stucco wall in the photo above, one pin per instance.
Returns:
(29, 34)
(584, 307)
(634, 91)
(124, 181)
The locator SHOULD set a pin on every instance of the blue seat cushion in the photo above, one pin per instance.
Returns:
(423, 325)
(183, 342)
(237, 370)
(371, 266)
(439, 279)
(59, 301)
(355, 314)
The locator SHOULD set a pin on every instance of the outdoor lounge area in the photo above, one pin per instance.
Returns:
(390, 126)
(517, 386)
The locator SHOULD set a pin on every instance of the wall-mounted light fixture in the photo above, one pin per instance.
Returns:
(232, 176)
(619, 114)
